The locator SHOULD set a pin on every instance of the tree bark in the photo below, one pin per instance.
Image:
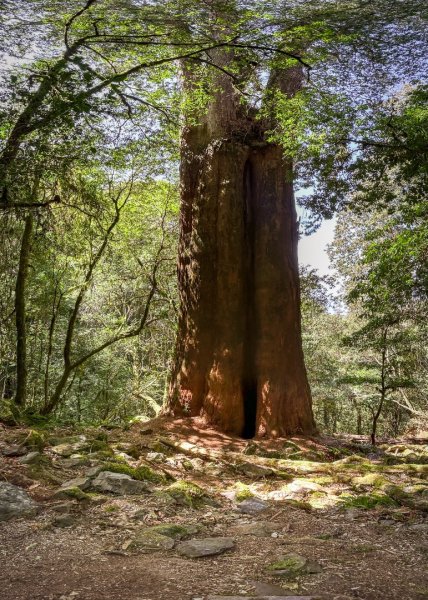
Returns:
(21, 313)
(239, 359)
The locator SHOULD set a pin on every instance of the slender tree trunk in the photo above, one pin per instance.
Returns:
(21, 313)
(239, 359)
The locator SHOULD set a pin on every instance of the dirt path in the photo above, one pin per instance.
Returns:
(83, 550)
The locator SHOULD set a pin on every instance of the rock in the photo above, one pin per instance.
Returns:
(156, 457)
(94, 471)
(118, 483)
(64, 521)
(147, 541)
(66, 450)
(83, 483)
(71, 492)
(63, 507)
(31, 458)
(293, 565)
(75, 461)
(14, 450)
(176, 532)
(299, 486)
(252, 506)
(205, 547)
(187, 493)
(15, 502)
(258, 529)
(252, 470)
(146, 431)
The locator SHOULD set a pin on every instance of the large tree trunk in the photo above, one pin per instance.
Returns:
(239, 360)
(21, 313)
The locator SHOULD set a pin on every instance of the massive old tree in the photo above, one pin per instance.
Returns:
(239, 359)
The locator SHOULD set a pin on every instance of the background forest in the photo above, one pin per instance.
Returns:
(89, 217)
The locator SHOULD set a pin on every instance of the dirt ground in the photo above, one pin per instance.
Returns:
(326, 501)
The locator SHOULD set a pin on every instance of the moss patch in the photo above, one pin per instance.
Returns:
(366, 502)
(72, 492)
(298, 504)
(187, 493)
(35, 440)
(243, 492)
(141, 473)
(176, 532)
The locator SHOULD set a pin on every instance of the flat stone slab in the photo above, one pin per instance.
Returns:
(83, 483)
(14, 450)
(118, 483)
(258, 528)
(205, 547)
(253, 470)
(148, 541)
(293, 565)
(252, 506)
(15, 502)
(31, 458)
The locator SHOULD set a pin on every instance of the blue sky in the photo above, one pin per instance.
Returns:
(313, 248)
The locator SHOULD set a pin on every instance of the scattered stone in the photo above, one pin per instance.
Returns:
(94, 471)
(75, 461)
(15, 502)
(156, 457)
(205, 547)
(299, 486)
(31, 458)
(71, 492)
(293, 565)
(252, 506)
(14, 450)
(62, 508)
(64, 450)
(64, 521)
(147, 541)
(187, 493)
(258, 529)
(176, 532)
(146, 431)
(118, 483)
(83, 483)
(252, 470)
(140, 514)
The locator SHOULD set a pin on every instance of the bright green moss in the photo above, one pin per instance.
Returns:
(187, 493)
(243, 492)
(366, 502)
(141, 473)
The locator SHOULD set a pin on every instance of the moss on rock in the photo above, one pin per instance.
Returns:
(243, 492)
(187, 493)
(141, 473)
(72, 492)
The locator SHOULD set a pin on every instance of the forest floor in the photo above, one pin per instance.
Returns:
(329, 518)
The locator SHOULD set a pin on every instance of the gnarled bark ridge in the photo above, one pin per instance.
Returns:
(239, 360)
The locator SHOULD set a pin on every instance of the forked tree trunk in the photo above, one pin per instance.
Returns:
(239, 360)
